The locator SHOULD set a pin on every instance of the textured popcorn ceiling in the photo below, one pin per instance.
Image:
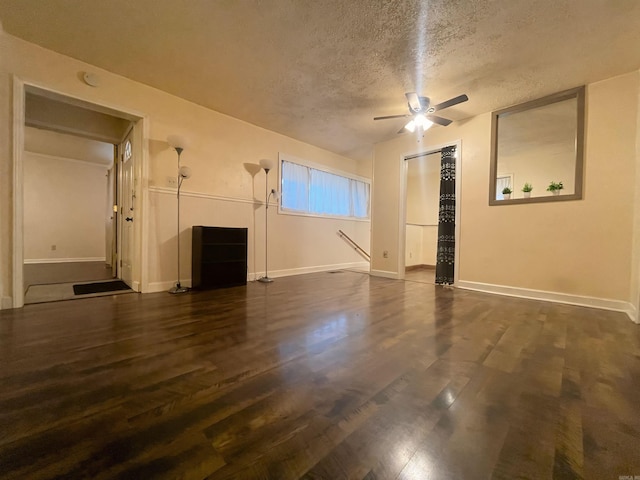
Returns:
(320, 70)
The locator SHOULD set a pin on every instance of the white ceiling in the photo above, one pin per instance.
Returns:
(320, 70)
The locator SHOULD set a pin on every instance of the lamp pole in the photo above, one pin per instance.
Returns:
(266, 278)
(179, 288)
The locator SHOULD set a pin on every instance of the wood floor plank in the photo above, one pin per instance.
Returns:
(318, 376)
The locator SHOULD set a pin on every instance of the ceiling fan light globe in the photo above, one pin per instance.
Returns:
(427, 124)
(411, 126)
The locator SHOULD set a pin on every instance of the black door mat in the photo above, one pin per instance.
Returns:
(100, 287)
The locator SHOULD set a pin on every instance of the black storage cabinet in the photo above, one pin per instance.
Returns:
(219, 257)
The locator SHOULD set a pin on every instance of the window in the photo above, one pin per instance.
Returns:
(311, 191)
(127, 150)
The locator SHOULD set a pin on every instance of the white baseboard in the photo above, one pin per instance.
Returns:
(315, 269)
(555, 297)
(385, 274)
(5, 303)
(64, 260)
(165, 286)
(155, 287)
(633, 314)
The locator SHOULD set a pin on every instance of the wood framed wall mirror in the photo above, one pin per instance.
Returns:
(536, 144)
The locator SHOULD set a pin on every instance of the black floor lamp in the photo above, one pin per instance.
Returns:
(267, 165)
(184, 172)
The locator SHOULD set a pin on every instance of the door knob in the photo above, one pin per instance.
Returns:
(129, 219)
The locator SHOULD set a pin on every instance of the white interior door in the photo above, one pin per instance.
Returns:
(111, 233)
(126, 209)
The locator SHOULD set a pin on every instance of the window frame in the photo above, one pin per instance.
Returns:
(323, 168)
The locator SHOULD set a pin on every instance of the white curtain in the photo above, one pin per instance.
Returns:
(306, 189)
(295, 187)
(359, 199)
(329, 193)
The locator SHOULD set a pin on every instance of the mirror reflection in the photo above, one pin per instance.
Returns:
(536, 150)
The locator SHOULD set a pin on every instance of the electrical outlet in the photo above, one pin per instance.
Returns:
(385, 254)
(410, 254)
(172, 182)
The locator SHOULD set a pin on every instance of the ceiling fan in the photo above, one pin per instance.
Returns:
(421, 110)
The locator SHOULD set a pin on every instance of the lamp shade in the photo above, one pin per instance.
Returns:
(177, 141)
(184, 172)
(267, 163)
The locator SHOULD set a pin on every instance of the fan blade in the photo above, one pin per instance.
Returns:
(439, 120)
(414, 101)
(403, 130)
(451, 102)
(392, 116)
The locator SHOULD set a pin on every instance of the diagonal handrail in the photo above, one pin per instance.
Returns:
(356, 247)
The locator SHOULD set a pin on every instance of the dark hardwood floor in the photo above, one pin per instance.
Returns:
(322, 376)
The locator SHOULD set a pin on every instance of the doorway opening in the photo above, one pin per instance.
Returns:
(421, 215)
(75, 184)
(421, 223)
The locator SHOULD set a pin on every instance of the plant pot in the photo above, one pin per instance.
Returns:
(506, 196)
(527, 194)
(556, 192)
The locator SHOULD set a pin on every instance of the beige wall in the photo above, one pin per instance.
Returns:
(581, 248)
(423, 190)
(223, 153)
(421, 245)
(64, 205)
(413, 248)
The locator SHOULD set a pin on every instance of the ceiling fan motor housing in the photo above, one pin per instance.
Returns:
(422, 106)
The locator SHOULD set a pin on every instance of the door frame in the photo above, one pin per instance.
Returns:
(122, 214)
(402, 229)
(141, 173)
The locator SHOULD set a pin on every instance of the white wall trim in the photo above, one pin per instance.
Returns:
(208, 196)
(31, 261)
(6, 303)
(166, 285)
(633, 314)
(70, 160)
(284, 211)
(141, 132)
(18, 188)
(314, 269)
(385, 274)
(555, 297)
(19, 92)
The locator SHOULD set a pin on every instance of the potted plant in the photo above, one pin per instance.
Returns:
(555, 188)
(527, 190)
(506, 193)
